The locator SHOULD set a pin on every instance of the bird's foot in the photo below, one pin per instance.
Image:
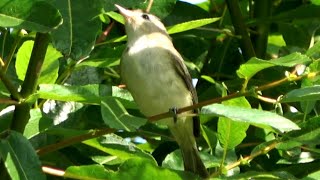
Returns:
(174, 112)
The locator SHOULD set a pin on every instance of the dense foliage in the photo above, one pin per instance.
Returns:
(64, 112)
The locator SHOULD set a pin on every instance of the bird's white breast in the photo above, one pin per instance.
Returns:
(149, 74)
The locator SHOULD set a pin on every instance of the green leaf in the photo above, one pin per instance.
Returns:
(95, 172)
(178, 27)
(116, 16)
(275, 43)
(226, 127)
(209, 136)
(209, 79)
(145, 170)
(174, 160)
(181, 13)
(109, 4)
(92, 93)
(77, 35)
(309, 134)
(104, 57)
(36, 124)
(50, 67)
(315, 2)
(19, 157)
(190, 25)
(314, 50)
(263, 175)
(295, 34)
(131, 169)
(255, 117)
(276, 40)
(116, 116)
(314, 175)
(118, 147)
(160, 8)
(29, 15)
(101, 63)
(254, 65)
(122, 93)
(304, 12)
(303, 94)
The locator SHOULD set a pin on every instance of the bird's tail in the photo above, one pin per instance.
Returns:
(183, 133)
(192, 161)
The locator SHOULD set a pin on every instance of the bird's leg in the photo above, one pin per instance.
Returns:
(174, 112)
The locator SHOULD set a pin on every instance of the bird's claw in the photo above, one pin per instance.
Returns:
(174, 112)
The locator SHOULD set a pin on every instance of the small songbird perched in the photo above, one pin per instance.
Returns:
(156, 76)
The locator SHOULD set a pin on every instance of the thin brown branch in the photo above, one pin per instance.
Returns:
(73, 140)
(247, 159)
(198, 105)
(53, 171)
(105, 33)
(231, 96)
(62, 173)
(8, 101)
(267, 99)
(149, 6)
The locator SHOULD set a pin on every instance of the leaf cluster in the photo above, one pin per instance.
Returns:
(65, 114)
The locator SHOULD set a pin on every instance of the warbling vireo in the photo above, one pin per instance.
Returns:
(156, 76)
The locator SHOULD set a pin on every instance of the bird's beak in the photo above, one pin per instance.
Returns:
(124, 12)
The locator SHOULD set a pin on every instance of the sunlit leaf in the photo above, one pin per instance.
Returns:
(118, 147)
(302, 94)
(19, 157)
(255, 117)
(92, 93)
(226, 126)
(37, 123)
(190, 25)
(115, 116)
(29, 15)
(254, 65)
(50, 67)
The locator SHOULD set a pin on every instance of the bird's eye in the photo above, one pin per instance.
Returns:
(145, 16)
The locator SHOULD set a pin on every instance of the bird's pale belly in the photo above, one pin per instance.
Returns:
(155, 87)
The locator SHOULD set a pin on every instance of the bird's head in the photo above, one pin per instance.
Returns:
(139, 23)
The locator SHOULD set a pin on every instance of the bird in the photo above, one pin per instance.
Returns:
(154, 73)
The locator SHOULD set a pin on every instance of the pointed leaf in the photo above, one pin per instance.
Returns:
(19, 157)
(115, 115)
(263, 175)
(50, 67)
(94, 172)
(254, 65)
(255, 117)
(92, 93)
(314, 50)
(309, 134)
(77, 35)
(118, 147)
(37, 123)
(226, 127)
(103, 58)
(303, 94)
(29, 15)
(131, 169)
(190, 25)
